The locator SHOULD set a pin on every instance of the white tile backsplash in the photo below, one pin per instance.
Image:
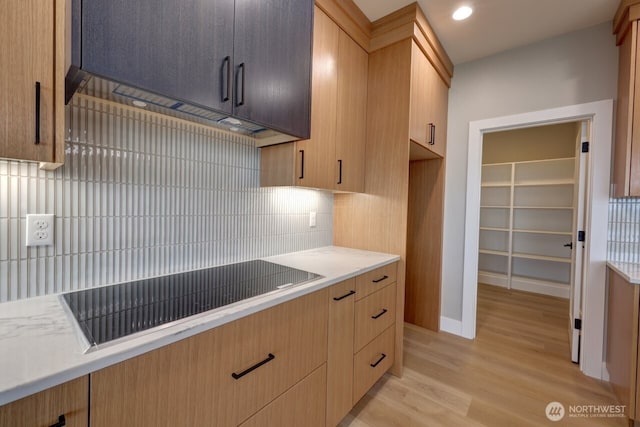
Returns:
(142, 195)
(624, 230)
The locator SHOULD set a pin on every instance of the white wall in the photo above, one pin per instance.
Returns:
(575, 68)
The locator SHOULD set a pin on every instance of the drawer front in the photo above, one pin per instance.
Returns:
(277, 348)
(372, 362)
(301, 405)
(375, 280)
(340, 351)
(374, 314)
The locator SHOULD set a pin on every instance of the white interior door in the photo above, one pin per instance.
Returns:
(577, 272)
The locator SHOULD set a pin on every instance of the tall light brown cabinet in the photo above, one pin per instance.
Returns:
(32, 67)
(401, 211)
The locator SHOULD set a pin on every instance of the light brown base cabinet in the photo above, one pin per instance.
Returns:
(303, 362)
(623, 361)
(67, 402)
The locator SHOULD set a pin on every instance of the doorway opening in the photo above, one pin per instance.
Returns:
(592, 301)
(532, 197)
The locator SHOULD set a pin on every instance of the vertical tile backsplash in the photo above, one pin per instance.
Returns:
(142, 195)
(624, 230)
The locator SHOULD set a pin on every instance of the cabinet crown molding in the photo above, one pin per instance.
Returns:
(410, 22)
(628, 11)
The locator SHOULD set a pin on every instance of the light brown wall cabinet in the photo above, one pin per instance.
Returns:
(429, 103)
(67, 402)
(32, 66)
(623, 360)
(333, 158)
(626, 151)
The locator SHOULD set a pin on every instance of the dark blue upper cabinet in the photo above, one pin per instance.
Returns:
(272, 55)
(172, 48)
(246, 58)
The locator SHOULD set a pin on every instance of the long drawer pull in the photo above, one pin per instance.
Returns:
(253, 368)
(384, 310)
(344, 296)
(376, 363)
(385, 277)
(61, 422)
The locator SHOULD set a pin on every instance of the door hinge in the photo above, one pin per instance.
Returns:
(577, 324)
(585, 147)
(581, 236)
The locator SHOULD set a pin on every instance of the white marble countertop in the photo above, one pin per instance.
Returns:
(629, 270)
(41, 346)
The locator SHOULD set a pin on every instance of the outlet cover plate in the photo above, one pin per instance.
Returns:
(39, 230)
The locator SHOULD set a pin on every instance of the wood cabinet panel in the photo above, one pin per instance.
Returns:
(298, 406)
(32, 38)
(375, 280)
(127, 41)
(340, 351)
(372, 362)
(428, 104)
(424, 248)
(351, 117)
(295, 333)
(622, 339)
(316, 155)
(170, 386)
(374, 314)
(43, 409)
(333, 158)
(272, 55)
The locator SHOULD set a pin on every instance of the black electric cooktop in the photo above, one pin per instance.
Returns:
(111, 312)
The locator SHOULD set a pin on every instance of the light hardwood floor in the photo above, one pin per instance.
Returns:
(518, 363)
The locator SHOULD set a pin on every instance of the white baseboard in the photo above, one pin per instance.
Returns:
(451, 326)
(605, 372)
(524, 284)
(493, 279)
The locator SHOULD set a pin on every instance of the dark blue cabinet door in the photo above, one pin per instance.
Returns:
(272, 63)
(176, 48)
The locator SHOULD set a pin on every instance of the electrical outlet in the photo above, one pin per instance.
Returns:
(312, 219)
(39, 230)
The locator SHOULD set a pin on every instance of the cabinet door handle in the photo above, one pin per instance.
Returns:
(240, 86)
(344, 296)
(385, 277)
(377, 362)
(226, 79)
(61, 422)
(269, 358)
(301, 164)
(432, 134)
(384, 310)
(340, 171)
(37, 113)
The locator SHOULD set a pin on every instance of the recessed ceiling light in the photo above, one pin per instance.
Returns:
(462, 13)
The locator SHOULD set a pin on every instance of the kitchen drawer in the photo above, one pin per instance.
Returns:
(340, 351)
(374, 280)
(374, 314)
(372, 362)
(277, 348)
(301, 405)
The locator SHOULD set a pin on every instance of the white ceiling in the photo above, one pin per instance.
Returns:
(499, 25)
